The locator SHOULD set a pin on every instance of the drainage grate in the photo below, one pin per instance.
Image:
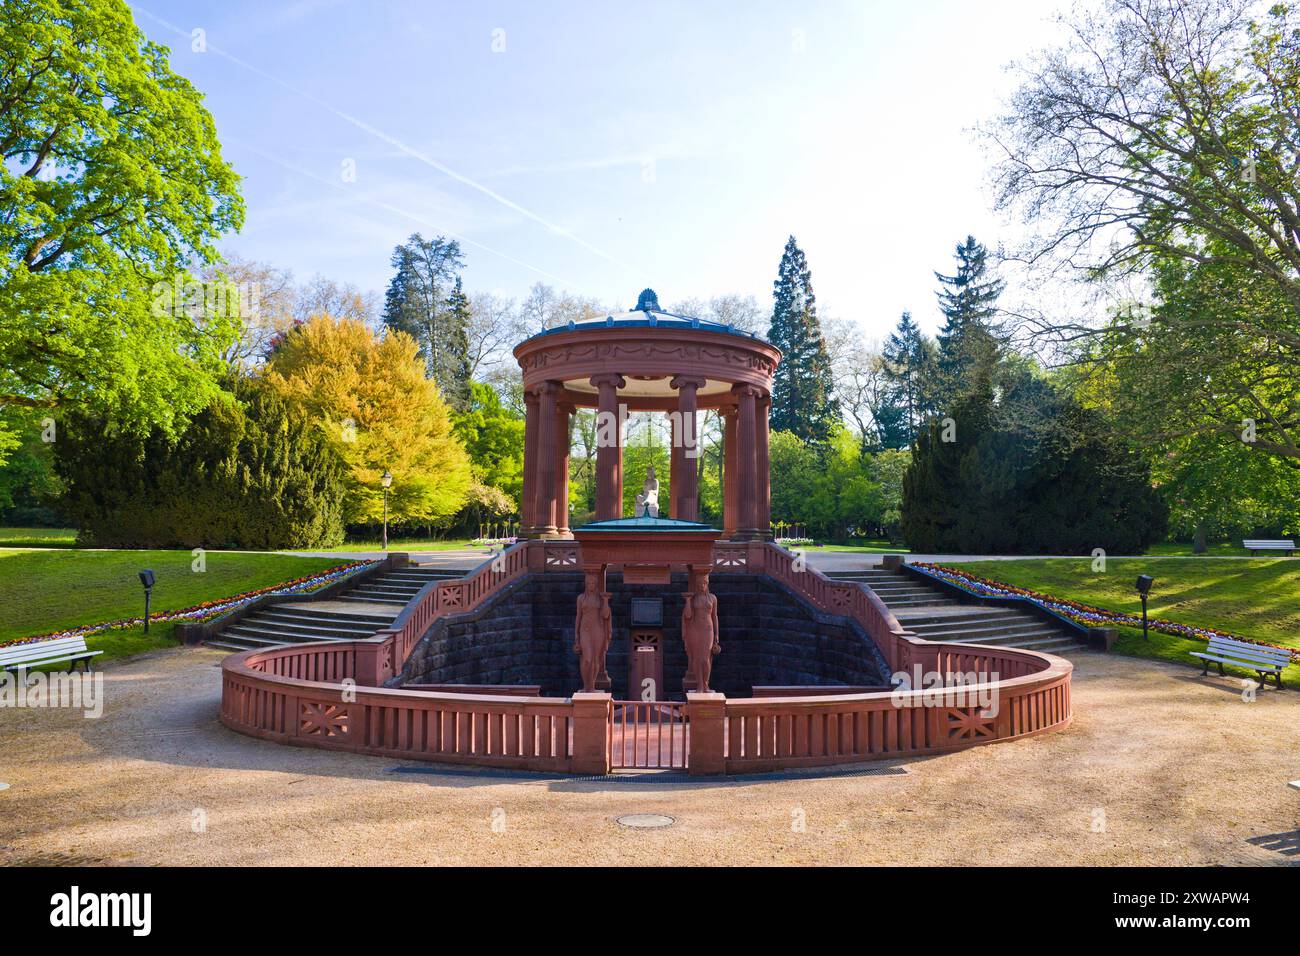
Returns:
(644, 821)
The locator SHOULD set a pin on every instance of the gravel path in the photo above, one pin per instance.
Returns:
(1160, 767)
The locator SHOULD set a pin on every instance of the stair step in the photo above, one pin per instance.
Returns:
(994, 630)
(328, 618)
(290, 627)
(280, 637)
(363, 599)
(226, 646)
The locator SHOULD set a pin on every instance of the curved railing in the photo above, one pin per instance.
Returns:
(327, 694)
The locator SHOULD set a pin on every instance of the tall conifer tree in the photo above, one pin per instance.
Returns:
(803, 400)
(969, 346)
(425, 301)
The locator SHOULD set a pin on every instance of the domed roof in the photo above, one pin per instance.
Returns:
(647, 314)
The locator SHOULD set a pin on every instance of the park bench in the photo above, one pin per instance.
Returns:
(46, 652)
(1252, 657)
(1266, 544)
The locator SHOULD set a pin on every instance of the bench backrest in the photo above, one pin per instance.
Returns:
(1227, 647)
(1251, 544)
(42, 650)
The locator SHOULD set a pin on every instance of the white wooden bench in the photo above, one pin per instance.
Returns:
(47, 652)
(1252, 657)
(1267, 544)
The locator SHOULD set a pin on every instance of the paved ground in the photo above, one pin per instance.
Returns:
(1160, 766)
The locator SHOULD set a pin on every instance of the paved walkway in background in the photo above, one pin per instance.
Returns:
(1161, 766)
(822, 560)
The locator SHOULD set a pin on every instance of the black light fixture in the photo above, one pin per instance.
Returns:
(387, 481)
(1144, 589)
(146, 578)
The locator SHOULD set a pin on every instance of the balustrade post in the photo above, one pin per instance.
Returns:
(706, 714)
(593, 715)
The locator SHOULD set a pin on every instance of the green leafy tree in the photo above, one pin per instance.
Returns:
(1159, 141)
(425, 301)
(803, 400)
(969, 349)
(252, 472)
(112, 183)
(493, 436)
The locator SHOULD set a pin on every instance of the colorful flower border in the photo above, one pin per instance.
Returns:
(209, 609)
(1085, 614)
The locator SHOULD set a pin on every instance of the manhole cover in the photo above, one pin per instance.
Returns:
(644, 821)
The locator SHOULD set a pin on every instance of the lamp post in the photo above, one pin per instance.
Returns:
(146, 578)
(1144, 589)
(386, 480)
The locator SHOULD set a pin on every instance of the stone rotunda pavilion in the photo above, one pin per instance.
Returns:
(647, 360)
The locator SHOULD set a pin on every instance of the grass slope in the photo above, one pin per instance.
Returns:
(1259, 598)
(43, 591)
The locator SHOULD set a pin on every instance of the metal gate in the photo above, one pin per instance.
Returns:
(649, 734)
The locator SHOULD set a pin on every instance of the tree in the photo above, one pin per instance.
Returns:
(368, 394)
(870, 400)
(425, 301)
(249, 471)
(1033, 472)
(495, 328)
(1160, 139)
(969, 349)
(911, 366)
(803, 399)
(112, 183)
(493, 436)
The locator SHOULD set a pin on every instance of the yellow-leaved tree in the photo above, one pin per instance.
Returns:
(369, 394)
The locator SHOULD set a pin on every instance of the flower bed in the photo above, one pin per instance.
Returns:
(208, 609)
(1085, 614)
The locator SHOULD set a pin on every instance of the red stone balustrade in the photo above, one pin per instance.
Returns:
(327, 695)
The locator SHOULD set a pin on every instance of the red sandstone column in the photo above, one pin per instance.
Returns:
(746, 446)
(708, 716)
(544, 516)
(685, 485)
(763, 468)
(729, 483)
(563, 439)
(674, 464)
(609, 454)
(592, 715)
(528, 502)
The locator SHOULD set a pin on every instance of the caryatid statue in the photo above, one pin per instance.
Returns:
(647, 503)
(591, 630)
(700, 629)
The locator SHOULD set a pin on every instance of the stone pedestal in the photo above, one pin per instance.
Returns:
(592, 716)
(707, 714)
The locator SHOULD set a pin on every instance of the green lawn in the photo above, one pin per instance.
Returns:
(401, 544)
(43, 591)
(1259, 599)
(873, 546)
(1217, 549)
(37, 537)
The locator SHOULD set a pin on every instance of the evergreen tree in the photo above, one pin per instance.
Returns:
(249, 471)
(969, 346)
(910, 365)
(424, 300)
(803, 400)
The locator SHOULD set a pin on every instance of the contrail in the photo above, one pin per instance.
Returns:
(392, 141)
(409, 215)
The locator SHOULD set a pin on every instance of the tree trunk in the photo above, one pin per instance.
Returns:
(1198, 540)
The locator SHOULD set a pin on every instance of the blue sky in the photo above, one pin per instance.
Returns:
(610, 146)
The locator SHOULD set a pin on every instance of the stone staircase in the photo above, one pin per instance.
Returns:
(932, 614)
(354, 614)
(397, 587)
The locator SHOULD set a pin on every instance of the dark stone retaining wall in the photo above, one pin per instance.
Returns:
(769, 635)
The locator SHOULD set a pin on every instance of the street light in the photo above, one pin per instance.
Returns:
(386, 480)
(146, 578)
(1144, 589)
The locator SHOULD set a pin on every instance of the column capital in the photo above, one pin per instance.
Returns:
(549, 388)
(745, 390)
(608, 378)
(686, 381)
